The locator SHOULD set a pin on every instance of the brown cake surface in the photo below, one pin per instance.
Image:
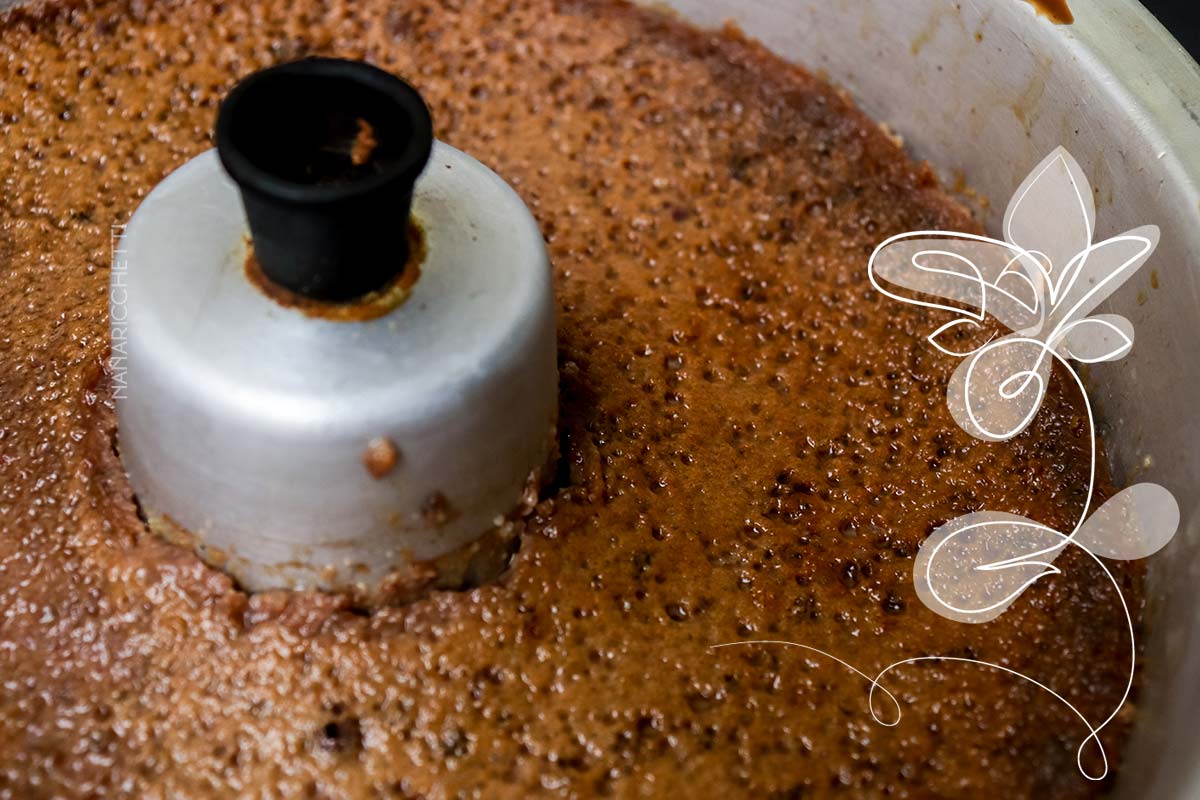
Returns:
(754, 443)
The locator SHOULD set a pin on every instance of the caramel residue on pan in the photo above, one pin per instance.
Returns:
(370, 306)
(380, 457)
(1057, 11)
(364, 144)
(754, 445)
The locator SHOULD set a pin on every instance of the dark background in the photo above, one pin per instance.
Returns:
(1181, 18)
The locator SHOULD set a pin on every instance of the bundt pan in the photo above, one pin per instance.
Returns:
(985, 89)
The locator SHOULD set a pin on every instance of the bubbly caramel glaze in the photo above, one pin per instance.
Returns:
(754, 442)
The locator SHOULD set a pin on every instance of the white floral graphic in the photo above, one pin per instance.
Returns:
(1041, 282)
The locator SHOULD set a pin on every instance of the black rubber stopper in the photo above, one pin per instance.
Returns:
(325, 153)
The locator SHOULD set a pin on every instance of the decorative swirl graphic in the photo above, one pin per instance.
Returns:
(1041, 282)
(1093, 737)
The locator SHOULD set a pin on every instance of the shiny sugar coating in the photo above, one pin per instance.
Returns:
(754, 445)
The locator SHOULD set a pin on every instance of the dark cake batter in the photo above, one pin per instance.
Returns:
(754, 445)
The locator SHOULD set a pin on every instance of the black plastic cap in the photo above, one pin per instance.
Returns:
(325, 153)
